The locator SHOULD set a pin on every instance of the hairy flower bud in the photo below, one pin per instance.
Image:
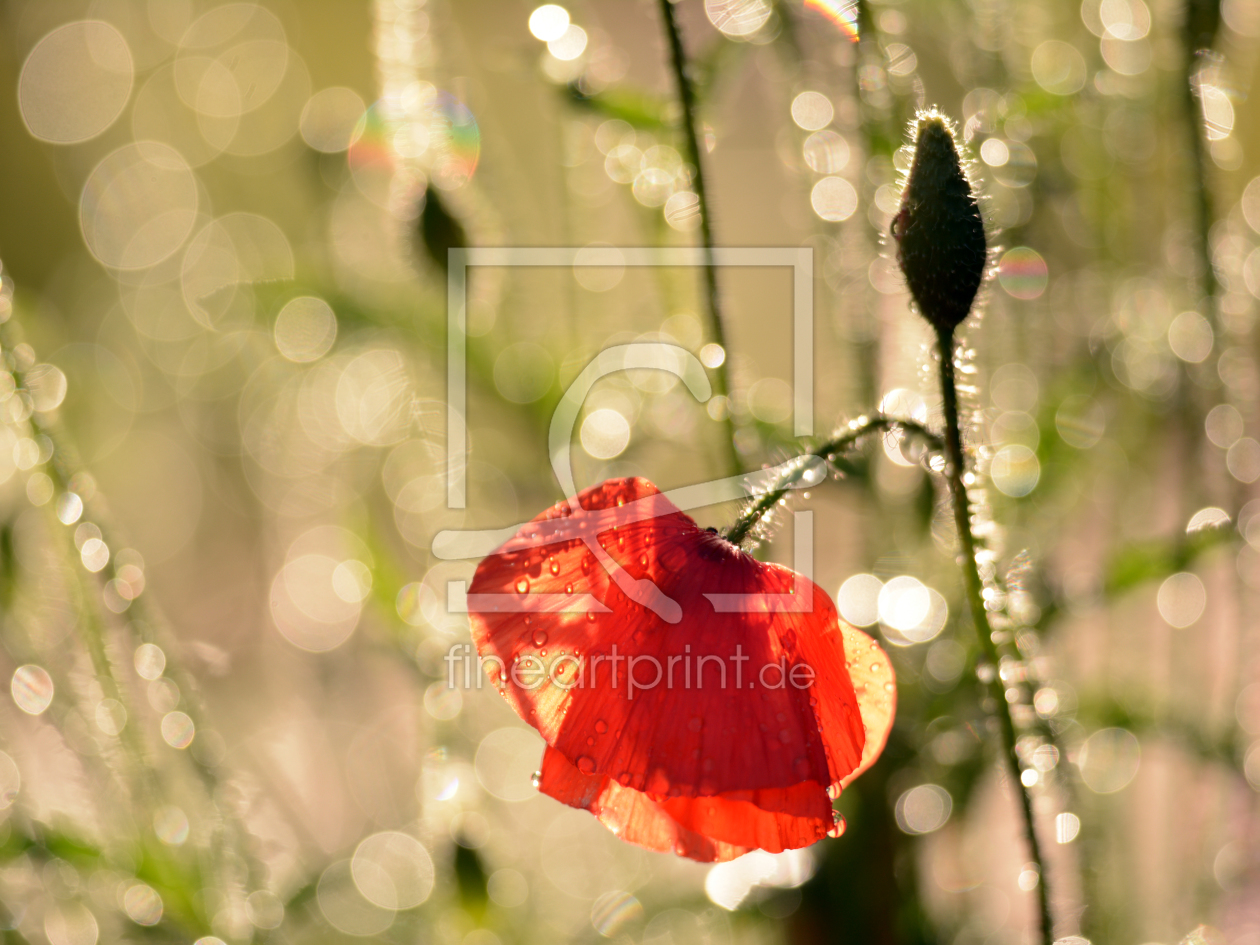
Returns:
(939, 232)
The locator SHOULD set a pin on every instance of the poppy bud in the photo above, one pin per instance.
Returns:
(939, 231)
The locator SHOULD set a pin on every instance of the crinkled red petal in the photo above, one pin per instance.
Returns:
(699, 732)
(706, 829)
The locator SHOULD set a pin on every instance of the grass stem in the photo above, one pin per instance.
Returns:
(713, 307)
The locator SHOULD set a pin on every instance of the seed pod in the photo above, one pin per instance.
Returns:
(939, 231)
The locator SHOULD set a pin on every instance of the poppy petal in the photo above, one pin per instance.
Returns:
(872, 675)
(775, 819)
(630, 814)
(694, 706)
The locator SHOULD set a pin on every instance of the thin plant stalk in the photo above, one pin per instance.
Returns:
(765, 503)
(1202, 21)
(955, 467)
(60, 469)
(1199, 32)
(713, 308)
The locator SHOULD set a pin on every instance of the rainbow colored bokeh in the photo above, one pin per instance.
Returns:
(843, 13)
(1023, 273)
(370, 140)
(456, 142)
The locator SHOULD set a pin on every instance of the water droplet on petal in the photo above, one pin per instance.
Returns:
(522, 585)
(837, 824)
(540, 638)
(586, 764)
(568, 588)
(536, 778)
(553, 565)
(833, 791)
(601, 726)
(590, 616)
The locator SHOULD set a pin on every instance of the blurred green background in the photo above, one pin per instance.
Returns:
(224, 233)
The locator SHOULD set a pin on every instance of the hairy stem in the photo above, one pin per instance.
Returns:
(758, 510)
(687, 99)
(955, 466)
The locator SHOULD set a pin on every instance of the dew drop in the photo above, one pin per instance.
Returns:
(643, 560)
(540, 638)
(522, 585)
(833, 791)
(568, 588)
(875, 667)
(586, 564)
(553, 565)
(601, 726)
(590, 616)
(536, 778)
(590, 739)
(586, 764)
(837, 824)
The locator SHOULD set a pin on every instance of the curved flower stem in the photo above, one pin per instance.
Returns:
(758, 510)
(687, 99)
(955, 466)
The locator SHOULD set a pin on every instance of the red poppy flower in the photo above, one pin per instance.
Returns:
(685, 717)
